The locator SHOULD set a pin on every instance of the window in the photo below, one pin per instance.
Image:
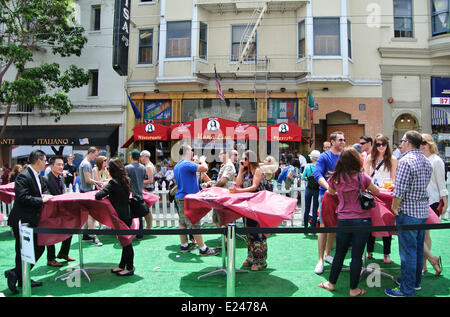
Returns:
(349, 38)
(203, 41)
(145, 46)
(240, 34)
(147, 0)
(93, 89)
(440, 16)
(326, 36)
(403, 23)
(179, 39)
(95, 18)
(301, 39)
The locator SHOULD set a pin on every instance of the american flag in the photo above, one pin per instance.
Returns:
(219, 86)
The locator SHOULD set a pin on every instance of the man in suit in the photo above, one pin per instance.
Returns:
(55, 186)
(29, 192)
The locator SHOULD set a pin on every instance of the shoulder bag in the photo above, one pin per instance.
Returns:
(366, 199)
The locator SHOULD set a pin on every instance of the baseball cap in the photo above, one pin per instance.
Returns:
(134, 152)
(357, 147)
(145, 153)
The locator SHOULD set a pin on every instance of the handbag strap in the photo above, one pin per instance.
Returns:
(359, 183)
(377, 168)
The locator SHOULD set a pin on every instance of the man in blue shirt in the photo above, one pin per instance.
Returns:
(185, 174)
(324, 165)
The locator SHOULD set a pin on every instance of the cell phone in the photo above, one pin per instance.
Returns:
(242, 163)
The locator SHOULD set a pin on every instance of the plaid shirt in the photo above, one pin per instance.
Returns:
(411, 180)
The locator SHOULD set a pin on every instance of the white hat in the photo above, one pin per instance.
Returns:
(145, 153)
(314, 154)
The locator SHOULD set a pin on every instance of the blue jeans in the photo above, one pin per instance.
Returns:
(320, 206)
(311, 195)
(358, 242)
(410, 244)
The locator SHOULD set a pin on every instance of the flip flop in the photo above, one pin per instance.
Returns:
(361, 292)
(322, 285)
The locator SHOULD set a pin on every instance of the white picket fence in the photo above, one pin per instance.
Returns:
(165, 214)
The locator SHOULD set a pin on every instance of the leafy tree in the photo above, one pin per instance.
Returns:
(29, 26)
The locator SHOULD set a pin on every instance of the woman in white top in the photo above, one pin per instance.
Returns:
(437, 190)
(381, 165)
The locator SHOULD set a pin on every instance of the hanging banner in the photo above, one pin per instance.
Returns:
(121, 36)
(157, 110)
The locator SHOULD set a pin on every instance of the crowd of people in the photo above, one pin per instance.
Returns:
(415, 177)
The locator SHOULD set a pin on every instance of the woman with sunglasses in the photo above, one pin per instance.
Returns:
(251, 179)
(381, 165)
(437, 190)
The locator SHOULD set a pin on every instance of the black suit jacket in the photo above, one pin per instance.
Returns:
(28, 200)
(55, 185)
(119, 198)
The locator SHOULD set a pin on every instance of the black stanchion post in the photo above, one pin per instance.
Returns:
(231, 274)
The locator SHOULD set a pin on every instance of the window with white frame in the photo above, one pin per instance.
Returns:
(326, 37)
(301, 39)
(403, 20)
(440, 16)
(179, 39)
(240, 35)
(203, 41)
(145, 46)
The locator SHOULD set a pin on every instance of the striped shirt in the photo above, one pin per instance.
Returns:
(411, 180)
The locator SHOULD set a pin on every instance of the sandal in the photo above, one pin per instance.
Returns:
(116, 270)
(437, 266)
(387, 259)
(322, 285)
(361, 292)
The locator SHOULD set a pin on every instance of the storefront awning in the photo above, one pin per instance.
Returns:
(59, 135)
(214, 128)
(440, 115)
(284, 132)
(148, 132)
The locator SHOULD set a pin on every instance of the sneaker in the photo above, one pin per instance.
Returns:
(329, 259)
(188, 248)
(96, 241)
(208, 251)
(319, 268)
(416, 288)
(394, 292)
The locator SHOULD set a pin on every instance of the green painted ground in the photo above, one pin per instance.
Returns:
(161, 271)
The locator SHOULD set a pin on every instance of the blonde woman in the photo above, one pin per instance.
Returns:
(437, 190)
(269, 167)
(380, 165)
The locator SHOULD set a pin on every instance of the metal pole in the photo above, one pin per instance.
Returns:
(80, 249)
(26, 279)
(231, 273)
(223, 251)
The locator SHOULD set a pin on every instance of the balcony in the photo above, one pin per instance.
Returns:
(262, 67)
(224, 6)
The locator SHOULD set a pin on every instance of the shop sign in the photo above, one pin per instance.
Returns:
(7, 141)
(440, 91)
(121, 35)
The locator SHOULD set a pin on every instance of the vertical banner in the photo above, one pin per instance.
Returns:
(121, 36)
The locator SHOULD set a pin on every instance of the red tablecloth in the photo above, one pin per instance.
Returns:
(7, 193)
(381, 214)
(71, 210)
(267, 208)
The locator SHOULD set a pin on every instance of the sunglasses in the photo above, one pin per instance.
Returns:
(401, 141)
(380, 144)
(362, 143)
(341, 140)
(424, 143)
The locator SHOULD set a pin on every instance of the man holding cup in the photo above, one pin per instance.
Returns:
(185, 173)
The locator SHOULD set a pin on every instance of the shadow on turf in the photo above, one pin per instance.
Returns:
(259, 284)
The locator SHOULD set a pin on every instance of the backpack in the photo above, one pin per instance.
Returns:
(283, 175)
(312, 183)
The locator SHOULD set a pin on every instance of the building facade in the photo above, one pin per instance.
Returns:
(98, 116)
(268, 56)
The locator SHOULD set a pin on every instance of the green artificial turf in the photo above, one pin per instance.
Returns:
(161, 271)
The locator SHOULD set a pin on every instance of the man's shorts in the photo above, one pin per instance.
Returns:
(184, 221)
